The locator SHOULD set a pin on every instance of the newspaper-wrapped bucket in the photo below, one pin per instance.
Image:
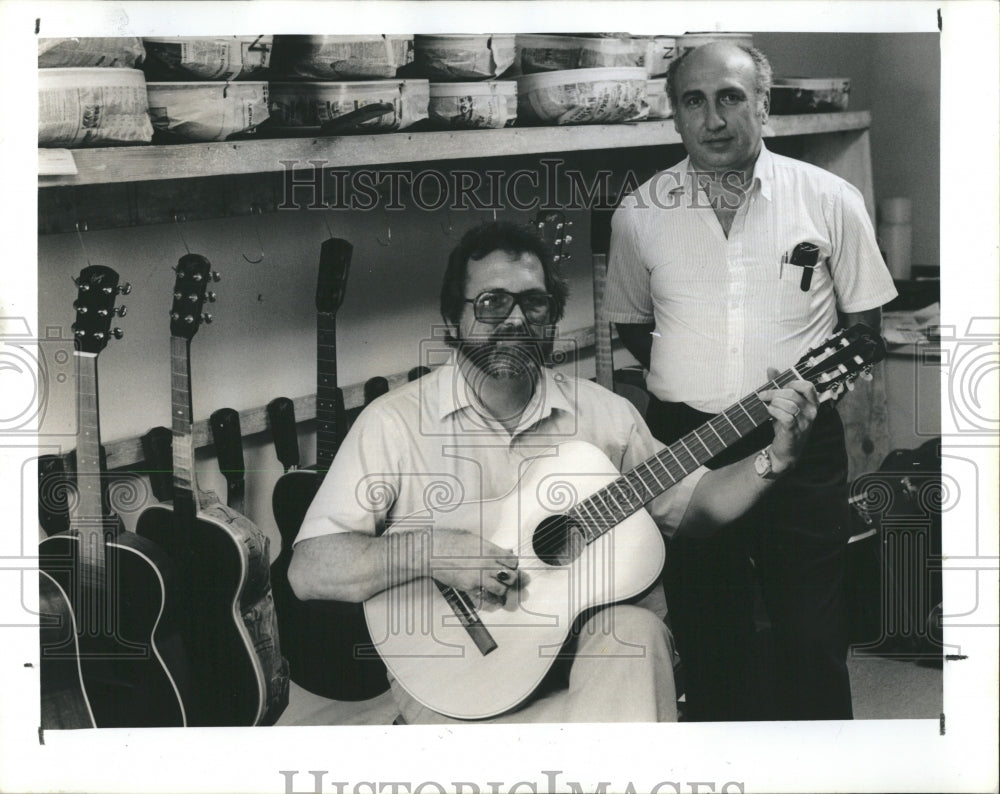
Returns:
(120, 52)
(462, 57)
(207, 58)
(547, 52)
(313, 105)
(207, 111)
(341, 57)
(582, 96)
(92, 107)
(468, 106)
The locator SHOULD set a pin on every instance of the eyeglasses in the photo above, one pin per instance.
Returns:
(495, 306)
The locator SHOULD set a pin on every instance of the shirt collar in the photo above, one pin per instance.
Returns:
(763, 174)
(455, 395)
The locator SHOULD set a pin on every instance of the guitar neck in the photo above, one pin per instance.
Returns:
(330, 414)
(181, 423)
(88, 518)
(603, 361)
(611, 505)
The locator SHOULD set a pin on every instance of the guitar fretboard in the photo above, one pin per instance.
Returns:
(612, 504)
(88, 514)
(329, 406)
(182, 419)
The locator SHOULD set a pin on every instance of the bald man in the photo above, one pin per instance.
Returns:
(733, 260)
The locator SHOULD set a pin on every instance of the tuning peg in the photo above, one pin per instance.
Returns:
(214, 275)
(210, 297)
(567, 239)
(207, 318)
(117, 333)
(121, 311)
(81, 309)
(850, 385)
(124, 289)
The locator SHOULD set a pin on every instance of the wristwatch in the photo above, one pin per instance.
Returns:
(762, 465)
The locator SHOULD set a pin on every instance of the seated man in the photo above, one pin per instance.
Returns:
(468, 428)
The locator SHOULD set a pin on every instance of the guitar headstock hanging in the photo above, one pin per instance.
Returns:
(97, 288)
(194, 272)
(553, 227)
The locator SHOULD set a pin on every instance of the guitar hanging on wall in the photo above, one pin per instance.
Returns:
(583, 540)
(116, 590)
(238, 676)
(326, 642)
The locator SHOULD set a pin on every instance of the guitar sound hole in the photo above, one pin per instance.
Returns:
(558, 540)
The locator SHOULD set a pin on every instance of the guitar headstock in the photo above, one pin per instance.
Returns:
(194, 272)
(553, 228)
(97, 287)
(334, 265)
(841, 359)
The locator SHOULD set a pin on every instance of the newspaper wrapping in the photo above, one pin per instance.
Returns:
(473, 105)
(221, 58)
(342, 57)
(582, 96)
(119, 52)
(87, 107)
(207, 111)
(314, 104)
(461, 57)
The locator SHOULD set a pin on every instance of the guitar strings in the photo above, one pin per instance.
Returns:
(598, 511)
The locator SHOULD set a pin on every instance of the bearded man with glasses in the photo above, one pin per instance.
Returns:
(465, 433)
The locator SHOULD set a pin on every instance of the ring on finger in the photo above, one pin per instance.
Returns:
(503, 576)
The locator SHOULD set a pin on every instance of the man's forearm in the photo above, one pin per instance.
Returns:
(638, 340)
(351, 566)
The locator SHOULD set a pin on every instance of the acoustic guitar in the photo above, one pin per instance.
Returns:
(119, 589)
(327, 643)
(238, 676)
(583, 540)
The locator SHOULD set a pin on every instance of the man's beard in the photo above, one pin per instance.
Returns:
(508, 354)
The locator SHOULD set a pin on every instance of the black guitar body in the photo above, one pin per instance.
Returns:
(327, 643)
(64, 700)
(126, 640)
(237, 674)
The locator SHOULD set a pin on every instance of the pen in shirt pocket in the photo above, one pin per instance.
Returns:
(804, 255)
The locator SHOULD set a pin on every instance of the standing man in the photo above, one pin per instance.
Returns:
(733, 260)
(471, 426)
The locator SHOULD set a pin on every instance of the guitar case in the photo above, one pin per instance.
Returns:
(894, 557)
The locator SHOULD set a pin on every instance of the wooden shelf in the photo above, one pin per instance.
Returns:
(184, 161)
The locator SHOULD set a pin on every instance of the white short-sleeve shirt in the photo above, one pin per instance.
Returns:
(726, 308)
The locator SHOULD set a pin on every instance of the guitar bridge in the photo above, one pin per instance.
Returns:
(469, 618)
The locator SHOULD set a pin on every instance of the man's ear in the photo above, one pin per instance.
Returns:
(765, 107)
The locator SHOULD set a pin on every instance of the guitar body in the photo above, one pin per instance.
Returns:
(435, 658)
(126, 644)
(238, 676)
(64, 700)
(327, 643)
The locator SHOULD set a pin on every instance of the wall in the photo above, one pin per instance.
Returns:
(897, 76)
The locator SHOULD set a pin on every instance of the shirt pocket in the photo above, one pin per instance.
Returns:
(794, 305)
